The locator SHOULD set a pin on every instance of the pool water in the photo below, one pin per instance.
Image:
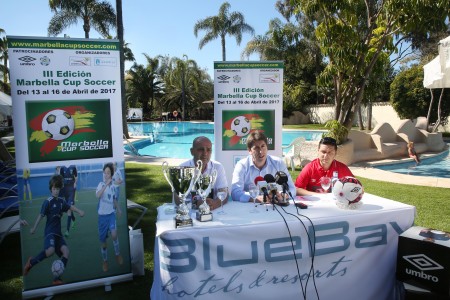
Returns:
(437, 166)
(174, 139)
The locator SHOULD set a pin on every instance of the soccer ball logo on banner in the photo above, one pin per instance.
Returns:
(58, 125)
(241, 126)
(348, 192)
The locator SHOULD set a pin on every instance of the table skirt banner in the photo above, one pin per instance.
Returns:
(353, 257)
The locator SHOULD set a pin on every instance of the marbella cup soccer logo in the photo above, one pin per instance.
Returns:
(58, 125)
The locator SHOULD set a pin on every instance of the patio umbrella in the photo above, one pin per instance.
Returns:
(433, 77)
(444, 57)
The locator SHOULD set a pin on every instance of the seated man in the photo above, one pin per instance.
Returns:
(308, 181)
(257, 163)
(201, 150)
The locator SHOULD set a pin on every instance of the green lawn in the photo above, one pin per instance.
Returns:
(146, 185)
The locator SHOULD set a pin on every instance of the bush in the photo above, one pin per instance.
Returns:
(410, 99)
(337, 131)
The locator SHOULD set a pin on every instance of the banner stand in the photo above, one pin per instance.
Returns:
(66, 106)
(51, 291)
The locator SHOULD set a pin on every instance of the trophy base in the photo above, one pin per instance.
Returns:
(204, 217)
(183, 223)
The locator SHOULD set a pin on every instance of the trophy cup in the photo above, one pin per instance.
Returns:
(182, 180)
(204, 185)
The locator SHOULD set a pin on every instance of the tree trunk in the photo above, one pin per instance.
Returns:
(183, 98)
(224, 55)
(369, 116)
(438, 121)
(122, 68)
(429, 109)
(360, 119)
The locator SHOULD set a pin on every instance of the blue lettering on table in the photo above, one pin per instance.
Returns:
(180, 255)
(213, 284)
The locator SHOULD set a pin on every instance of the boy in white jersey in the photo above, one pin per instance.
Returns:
(107, 208)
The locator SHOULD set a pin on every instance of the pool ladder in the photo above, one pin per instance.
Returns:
(130, 144)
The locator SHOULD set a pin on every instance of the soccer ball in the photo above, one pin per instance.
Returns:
(58, 124)
(348, 192)
(57, 268)
(240, 126)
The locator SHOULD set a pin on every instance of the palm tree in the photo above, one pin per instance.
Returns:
(185, 84)
(123, 56)
(4, 86)
(225, 23)
(98, 14)
(127, 53)
(144, 84)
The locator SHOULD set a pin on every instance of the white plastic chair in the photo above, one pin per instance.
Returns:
(294, 151)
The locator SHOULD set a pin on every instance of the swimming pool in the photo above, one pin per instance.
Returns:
(437, 166)
(174, 139)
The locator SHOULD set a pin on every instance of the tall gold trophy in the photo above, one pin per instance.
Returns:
(204, 185)
(182, 180)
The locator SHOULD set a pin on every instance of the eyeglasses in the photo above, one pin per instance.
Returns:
(328, 141)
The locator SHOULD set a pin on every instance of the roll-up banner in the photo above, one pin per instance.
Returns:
(247, 96)
(67, 121)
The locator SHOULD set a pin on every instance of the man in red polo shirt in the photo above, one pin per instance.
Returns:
(308, 181)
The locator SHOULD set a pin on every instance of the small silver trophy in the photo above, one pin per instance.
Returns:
(204, 185)
(182, 180)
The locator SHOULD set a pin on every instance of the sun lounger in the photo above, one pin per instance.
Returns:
(9, 204)
(9, 224)
(132, 205)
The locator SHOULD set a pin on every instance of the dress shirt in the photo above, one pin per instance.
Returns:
(245, 172)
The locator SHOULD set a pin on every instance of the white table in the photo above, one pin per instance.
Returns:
(243, 255)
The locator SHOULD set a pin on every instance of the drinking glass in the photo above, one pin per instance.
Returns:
(222, 194)
(325, 182)
(254, 192)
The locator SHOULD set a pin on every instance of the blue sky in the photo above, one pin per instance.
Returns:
(152, 27)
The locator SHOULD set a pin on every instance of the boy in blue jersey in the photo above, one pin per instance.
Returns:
(52, 208)
(70, 176)
(107, 207)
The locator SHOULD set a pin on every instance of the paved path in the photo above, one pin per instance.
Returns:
(382, 175)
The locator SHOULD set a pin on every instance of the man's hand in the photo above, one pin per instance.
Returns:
(213, 203)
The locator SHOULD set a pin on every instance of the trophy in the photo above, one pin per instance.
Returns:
(182, 180)
(204, 185)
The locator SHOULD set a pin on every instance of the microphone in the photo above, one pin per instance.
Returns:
(271, 186)
(269, 178)
(262, 185)
(282, 179)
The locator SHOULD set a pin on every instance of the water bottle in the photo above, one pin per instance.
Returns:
(334, 179)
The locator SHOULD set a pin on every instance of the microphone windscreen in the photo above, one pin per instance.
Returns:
(257, 179)
(269, 178)
(281, 177)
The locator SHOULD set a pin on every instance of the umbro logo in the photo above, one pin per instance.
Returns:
(27, 59)
(223, 77)
(422, 262)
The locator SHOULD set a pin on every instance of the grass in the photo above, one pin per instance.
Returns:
(305, 126)
(146, 185)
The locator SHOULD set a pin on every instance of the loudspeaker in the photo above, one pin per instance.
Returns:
(423, 259)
